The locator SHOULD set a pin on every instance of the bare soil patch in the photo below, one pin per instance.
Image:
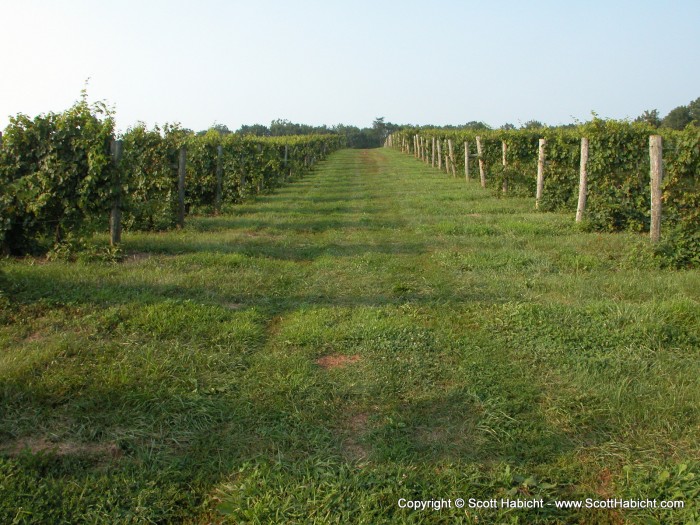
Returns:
(328, 362)
(62, 448)
(355, 427)
(34, 337)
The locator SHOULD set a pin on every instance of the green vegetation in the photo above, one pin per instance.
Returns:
(354, 137)
(59, 182)
(618, 174)
(375, 331)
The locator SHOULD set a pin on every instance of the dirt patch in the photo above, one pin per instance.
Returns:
(355, 426)
(473, 215)
(62, 448)
(604, 487)
(336, 361)
(32, 338)
(432, 436)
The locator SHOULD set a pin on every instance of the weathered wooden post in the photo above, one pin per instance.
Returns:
(115, 217)
(482, 169)
(540, 173)
(582, 181)
(433, 152)
(466, 160)
(439, 155)
(181, 187)
(657, 174)
(452, 158)
(504, 161)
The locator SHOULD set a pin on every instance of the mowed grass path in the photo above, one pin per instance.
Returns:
(375, 331)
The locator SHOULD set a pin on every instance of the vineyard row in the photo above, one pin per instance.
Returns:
(614, 175)
(65, 175)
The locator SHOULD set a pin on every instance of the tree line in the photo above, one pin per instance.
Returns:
(355, 137)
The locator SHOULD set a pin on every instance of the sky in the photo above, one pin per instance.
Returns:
(330, 62)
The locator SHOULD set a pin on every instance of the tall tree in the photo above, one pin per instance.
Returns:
(694, 108)
(379, 127)
(650, 117)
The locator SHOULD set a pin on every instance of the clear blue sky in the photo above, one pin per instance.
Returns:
(329, 62)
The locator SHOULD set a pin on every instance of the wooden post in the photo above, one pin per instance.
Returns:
(433, 152)
(583, 181)
(657, 174)
(439, 154)
(286, 172)
(480, 154)
(504, 161)
(115, 217)
(219, 178)
(181, 187)
(540, 173)
(452, 158)
(466, 160)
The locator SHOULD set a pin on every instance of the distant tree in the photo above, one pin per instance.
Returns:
(477, 126)
(282, 127)
(650, 117)
(678, 118)
(356, 137)
(380, 132)
(255, 129)
(532, 124)
(222, 129)
(507, 126)
(694, 108)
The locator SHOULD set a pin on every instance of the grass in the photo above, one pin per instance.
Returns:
(375, 331)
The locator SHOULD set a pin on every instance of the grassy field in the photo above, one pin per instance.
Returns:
(375, 331)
